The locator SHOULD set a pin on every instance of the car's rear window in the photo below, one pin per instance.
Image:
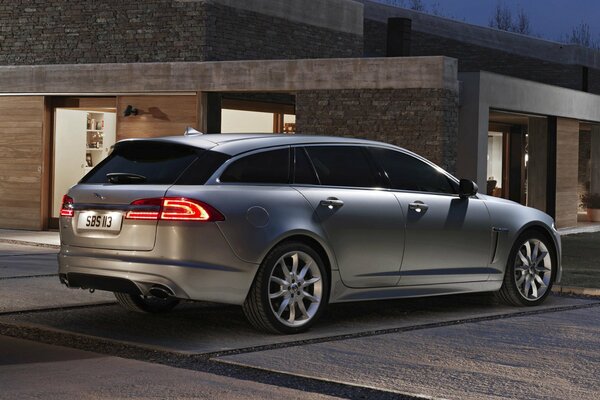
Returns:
(154, 162)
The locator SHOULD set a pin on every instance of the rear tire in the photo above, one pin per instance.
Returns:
(290, 290)
(145, 304)
(530, 270)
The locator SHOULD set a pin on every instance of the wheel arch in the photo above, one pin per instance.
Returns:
(314, 242)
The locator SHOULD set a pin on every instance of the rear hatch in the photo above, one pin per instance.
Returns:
(115, 205)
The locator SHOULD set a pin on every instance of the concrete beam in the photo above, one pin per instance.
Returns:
(514, 94)
(337, 15)
(232, 76)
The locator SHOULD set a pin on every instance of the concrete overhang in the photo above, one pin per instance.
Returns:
(519, 95)
(482, 91)
(233, 76)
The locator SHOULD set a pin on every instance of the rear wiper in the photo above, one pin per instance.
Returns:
(125, 177)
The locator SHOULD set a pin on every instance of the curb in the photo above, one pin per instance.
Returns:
(26, 243)
(578, 291)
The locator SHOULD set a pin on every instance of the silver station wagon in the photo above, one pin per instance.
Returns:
(284, 225)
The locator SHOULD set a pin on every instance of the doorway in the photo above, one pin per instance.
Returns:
(84, 133)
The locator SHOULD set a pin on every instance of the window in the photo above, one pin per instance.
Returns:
(304, 172)
(409, 173)
(202, 169)
(266, 167)
(157, 162)
(343, 166)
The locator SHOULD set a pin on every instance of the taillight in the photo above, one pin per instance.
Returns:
(173, 209)
(66, 209)
(148, 209)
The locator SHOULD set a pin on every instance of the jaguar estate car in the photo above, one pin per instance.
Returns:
(285, 224)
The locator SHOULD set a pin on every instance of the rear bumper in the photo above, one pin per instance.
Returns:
(225, 281)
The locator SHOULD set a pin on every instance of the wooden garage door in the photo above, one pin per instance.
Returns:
(21, 161)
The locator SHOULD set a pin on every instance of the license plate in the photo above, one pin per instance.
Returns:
(100, 221)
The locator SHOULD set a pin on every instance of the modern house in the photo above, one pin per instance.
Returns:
(519, 115)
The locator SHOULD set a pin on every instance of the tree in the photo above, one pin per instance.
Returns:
(582, 36)
(416, 5)
(502, 18)
(522, 24)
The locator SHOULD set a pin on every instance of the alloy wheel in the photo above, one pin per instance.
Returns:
(533, 269)
(295, 289)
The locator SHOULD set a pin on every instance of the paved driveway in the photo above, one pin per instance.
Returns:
(449, 347)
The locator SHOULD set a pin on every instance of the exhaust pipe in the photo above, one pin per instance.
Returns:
(162, 292)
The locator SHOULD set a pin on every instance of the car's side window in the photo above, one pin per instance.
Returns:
(343, 166)
(406, 172)
(304, 173)
(266, 167)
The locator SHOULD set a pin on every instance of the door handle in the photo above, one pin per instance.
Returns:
(418, 206)
(332, 203)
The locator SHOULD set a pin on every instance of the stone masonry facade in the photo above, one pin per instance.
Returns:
(244, 35)
(35, 32)
(421, 120)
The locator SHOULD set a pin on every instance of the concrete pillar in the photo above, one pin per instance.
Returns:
(473, 123)
(537, 164)
(595, 160)
(567, 164)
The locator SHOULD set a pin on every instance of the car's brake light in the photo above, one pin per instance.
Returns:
(173, 209)
(66, 209)
(148, 209)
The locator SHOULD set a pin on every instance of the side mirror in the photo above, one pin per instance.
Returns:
(467, 188)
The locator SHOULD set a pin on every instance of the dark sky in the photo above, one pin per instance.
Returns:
(551, 19)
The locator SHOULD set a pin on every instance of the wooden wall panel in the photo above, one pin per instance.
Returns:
(157, 115)
(567, 157)
(21, 161)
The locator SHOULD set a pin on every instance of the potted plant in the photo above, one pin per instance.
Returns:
(592, 202)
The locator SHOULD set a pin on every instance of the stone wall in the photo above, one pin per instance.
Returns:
(87, 31)
(472, 58)
(236, 34)
(594, 81)
(375, 38)
(35, 32)
(421, 120)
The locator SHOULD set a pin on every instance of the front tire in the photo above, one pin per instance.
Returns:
(145, 304)
(530, 270)
(290, 290)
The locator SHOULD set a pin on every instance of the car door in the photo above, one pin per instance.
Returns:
(364, 224)
(448, 238)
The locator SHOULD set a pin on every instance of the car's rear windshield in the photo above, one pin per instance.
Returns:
(155, 163)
